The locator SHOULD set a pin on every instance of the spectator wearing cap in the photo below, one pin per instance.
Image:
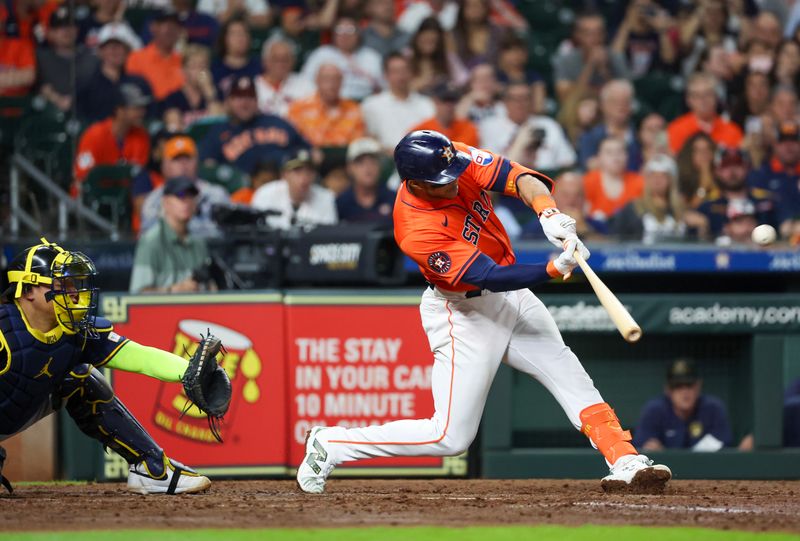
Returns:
(616, 108)
(610, 187)
(179, 159)
(535, 141)
(233, 55)
(198, 27)
(684, 417)
(392, 113)
(735, 200)
(701, 96)
(249, 137)
(255, 12)
(444, 120)
(97, 99)
(120, 139)
(296, 197)
(278, 86)
(657, 215)
(381, 32)
(781, 173)
(326, 119)
(168, 257)
(57, 82)
(197, 98)
(103, 12)
(159, 63)
(366, 200)
(360, 65)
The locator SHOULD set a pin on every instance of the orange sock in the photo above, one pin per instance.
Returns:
(601, 425)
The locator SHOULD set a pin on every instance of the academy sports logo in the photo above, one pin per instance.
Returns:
(439, 262)
(481, 157)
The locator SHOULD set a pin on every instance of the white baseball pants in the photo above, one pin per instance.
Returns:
(469, 338)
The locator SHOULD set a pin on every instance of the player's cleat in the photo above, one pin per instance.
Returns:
(636, 473)
(317, 465)
(175, 478)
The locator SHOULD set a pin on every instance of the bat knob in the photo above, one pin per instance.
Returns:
(633, 335)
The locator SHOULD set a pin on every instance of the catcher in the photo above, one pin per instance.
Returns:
(51, 346)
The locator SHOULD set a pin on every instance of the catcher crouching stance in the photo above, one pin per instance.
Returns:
(51, 346)
(479, 312)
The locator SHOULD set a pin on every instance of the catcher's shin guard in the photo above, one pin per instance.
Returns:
(99, 414)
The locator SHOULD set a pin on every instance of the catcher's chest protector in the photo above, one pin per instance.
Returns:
(30, 370)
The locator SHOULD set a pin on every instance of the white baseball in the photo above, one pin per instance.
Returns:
(764, 235)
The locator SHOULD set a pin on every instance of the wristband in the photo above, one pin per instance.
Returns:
(542, 203)
(552, 271)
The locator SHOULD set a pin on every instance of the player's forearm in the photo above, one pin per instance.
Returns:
(149, 361)
(535, 193)
(486, 274)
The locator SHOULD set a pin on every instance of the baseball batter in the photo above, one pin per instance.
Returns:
(479, 312)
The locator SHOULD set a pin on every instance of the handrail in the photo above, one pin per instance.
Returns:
(65, 202)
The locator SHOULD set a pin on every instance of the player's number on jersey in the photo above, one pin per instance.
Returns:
(472, 231)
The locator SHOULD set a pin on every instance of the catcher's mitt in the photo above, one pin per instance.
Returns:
(206, 383)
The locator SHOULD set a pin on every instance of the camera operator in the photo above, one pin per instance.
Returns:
(534, 141)
(168, 258)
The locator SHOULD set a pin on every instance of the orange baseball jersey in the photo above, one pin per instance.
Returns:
(99, 146)
(445, 237)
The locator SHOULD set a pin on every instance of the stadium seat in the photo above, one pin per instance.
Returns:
(11, 114)
(199, 128)
(226, 176)
(107, 191)
(660, 92)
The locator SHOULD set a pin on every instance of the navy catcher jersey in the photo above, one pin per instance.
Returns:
(33, 363)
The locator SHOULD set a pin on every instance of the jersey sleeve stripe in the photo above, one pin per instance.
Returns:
(465, 266)
(111, 355)
(498, 183)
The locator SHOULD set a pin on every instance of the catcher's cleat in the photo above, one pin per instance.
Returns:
(636, 473)
(317, 465)
(174, 479)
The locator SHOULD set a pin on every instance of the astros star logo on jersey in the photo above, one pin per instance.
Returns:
(439, 262)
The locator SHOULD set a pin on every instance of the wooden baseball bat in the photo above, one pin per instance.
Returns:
(622, 319)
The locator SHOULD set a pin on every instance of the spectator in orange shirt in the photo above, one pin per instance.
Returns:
(445, 100)
(17, 66)
(326, 119)
(159, 63)
(120, 139)
(701, 97)
(610, 187)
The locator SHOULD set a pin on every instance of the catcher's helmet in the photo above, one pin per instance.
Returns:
(429, 156)
(70, 276)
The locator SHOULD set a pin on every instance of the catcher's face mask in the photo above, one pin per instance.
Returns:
(70, 276)
(72, 292)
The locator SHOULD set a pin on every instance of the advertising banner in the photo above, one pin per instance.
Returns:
(360, 361)
(741, 314)
(251, 330)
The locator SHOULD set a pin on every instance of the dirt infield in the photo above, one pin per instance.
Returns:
(741, 505)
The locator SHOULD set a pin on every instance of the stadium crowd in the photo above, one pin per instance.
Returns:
(661, 120)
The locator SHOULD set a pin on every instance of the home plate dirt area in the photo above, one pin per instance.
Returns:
(738, 505)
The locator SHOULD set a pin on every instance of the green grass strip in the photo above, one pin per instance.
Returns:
(510, 533)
